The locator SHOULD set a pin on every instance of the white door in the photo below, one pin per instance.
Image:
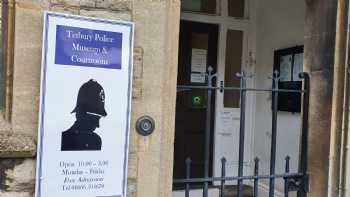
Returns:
(233, 47)
(236, 20)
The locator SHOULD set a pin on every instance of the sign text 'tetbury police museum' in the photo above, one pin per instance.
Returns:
(84, 107)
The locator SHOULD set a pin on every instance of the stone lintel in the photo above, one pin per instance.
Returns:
(112, 5)
(29, 4)
(13, 145)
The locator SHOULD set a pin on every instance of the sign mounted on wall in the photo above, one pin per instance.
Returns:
(85, 102)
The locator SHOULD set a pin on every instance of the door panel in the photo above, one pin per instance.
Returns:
(233, 61)
(227, 120)
(201, 6)
(190, 117)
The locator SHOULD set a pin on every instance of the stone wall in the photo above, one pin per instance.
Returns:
(154, 91)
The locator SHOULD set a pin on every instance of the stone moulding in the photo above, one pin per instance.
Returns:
(14, 145)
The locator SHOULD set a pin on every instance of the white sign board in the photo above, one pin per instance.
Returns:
(199, 60)
(85, 102)
(197, 77)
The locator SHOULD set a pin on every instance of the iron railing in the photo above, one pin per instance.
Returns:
(297, 181)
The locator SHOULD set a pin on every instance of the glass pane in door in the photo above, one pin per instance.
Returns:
(200, 40)
(204, 6)
(234, 52)
(236, 8)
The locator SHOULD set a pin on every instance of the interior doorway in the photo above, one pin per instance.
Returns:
(223, 47)
(197, 51)
(246, 42)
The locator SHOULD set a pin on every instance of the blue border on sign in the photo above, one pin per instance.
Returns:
(42, 104)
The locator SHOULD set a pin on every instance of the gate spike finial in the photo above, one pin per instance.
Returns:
(256, 159)
(210, 76)
(287, 157)
(275, 75)
(223, 160)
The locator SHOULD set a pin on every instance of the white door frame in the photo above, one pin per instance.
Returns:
(247, 25)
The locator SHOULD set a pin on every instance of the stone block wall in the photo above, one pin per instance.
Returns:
(154, 90)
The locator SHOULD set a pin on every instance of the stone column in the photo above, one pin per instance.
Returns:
(157, 27)
(338, 99)
(318, 61)
(17, 149)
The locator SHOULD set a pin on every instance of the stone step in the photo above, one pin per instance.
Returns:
(214, 191)
(231, 191)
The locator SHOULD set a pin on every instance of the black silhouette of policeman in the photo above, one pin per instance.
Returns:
(89, 109)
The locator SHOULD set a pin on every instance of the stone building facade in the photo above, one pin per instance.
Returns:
(150, 169)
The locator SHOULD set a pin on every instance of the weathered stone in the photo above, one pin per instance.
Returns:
(136, 88)
(323, 44)
(114, 4)
(17, 175)
(66, 2)
(318, 61)
(16, 145)
(156, 19)
(132, 188)
(133, 138)
(27, 61)
(87, 3)
(5, 126)
(106, 14)
(156, 66)
(33, 4)
(65, 9)
(132, 166)
(138, 62)
(137, 73)
(15, 194)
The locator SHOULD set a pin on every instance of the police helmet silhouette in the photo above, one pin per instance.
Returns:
(91, 99)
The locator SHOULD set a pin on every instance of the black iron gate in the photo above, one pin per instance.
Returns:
(293, 181)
